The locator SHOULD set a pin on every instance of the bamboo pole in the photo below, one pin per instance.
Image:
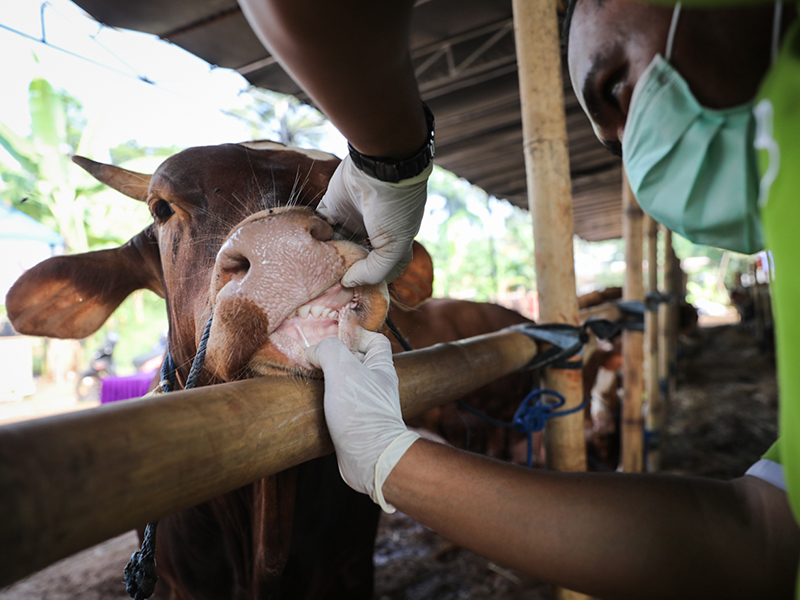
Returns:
(550, 202)
(655, 408)
(632, 344)
(668, 322)
(544, 133)
(71, 481)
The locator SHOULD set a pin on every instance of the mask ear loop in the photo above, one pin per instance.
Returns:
(776, 30)
(671, 35)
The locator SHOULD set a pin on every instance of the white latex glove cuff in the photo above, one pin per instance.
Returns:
(362, 410)
(386, 462)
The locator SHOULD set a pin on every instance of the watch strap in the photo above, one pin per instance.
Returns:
(393, 170)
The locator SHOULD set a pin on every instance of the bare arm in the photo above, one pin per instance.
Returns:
(605, 534)
(352, 58)
(611, 535)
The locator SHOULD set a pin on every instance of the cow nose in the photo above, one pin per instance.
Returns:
(255, 243)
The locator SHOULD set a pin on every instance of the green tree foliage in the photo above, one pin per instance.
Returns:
(43, 182)
(47, 187)
(481, 246)
(281, 118)
(132, 150)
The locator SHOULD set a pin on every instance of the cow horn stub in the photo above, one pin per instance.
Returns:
(132, 184)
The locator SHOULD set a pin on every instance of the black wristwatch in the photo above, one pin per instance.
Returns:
(392, 170)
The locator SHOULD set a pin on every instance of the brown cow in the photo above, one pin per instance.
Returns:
(234, 233)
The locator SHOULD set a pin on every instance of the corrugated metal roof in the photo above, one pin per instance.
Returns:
(466, 65)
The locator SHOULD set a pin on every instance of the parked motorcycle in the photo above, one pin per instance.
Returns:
(101, 365)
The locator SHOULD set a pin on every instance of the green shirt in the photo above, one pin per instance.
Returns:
(779, 98)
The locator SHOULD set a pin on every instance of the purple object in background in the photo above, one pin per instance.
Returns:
(122, 388)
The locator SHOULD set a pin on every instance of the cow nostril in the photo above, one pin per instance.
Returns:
(320, 230)
(234, 265)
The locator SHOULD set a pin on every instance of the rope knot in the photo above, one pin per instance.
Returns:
(140, 573)
(532, 415)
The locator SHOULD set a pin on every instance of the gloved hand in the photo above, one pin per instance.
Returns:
(362, 408)
(388, 213)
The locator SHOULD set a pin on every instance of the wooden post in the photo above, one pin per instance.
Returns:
(667, 320)
(632, 343)
(655, 408)
(550, 202)
(544, 133)
(71, 481)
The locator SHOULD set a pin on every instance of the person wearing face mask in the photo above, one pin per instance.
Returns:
(696, 169)
(678, 121)
(693, 168)
(710, 139)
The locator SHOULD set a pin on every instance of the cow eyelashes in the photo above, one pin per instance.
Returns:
(162, 210)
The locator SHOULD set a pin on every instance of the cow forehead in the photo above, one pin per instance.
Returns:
(246, 165)
(268, 145)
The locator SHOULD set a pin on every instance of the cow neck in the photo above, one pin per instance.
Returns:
(140, 573)
(168, 371)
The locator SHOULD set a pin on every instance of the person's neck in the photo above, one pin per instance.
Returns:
(724, 54)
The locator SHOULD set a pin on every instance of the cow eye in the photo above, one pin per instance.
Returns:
(162, 211)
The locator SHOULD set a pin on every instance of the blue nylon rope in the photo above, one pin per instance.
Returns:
(168, 366)
(167, 372)
(531, 416)
(200, 357)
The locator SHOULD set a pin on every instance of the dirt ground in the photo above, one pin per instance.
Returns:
(722, 417)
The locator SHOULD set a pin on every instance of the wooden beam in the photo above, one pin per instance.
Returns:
(71, 481)
(632, 346)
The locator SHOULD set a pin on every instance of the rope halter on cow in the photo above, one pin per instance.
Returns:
(140, 573)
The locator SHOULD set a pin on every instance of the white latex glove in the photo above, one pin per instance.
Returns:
(388, 213)
(362, 408)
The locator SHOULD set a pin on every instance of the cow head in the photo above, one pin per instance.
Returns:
(234, 232)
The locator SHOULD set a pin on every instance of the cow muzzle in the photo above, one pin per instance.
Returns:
(276, 289)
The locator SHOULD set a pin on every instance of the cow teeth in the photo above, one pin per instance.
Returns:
(303, 311)
(316, 311)
(326, 312)
(293, 314)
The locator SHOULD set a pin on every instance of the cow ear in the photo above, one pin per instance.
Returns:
(72, 296)
(415, 285)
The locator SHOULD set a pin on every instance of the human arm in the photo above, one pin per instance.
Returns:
(353, 60)
(609, 535)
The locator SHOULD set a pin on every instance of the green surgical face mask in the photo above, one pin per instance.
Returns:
(692, 168)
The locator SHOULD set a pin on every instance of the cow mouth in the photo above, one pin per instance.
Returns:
(334, 313)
